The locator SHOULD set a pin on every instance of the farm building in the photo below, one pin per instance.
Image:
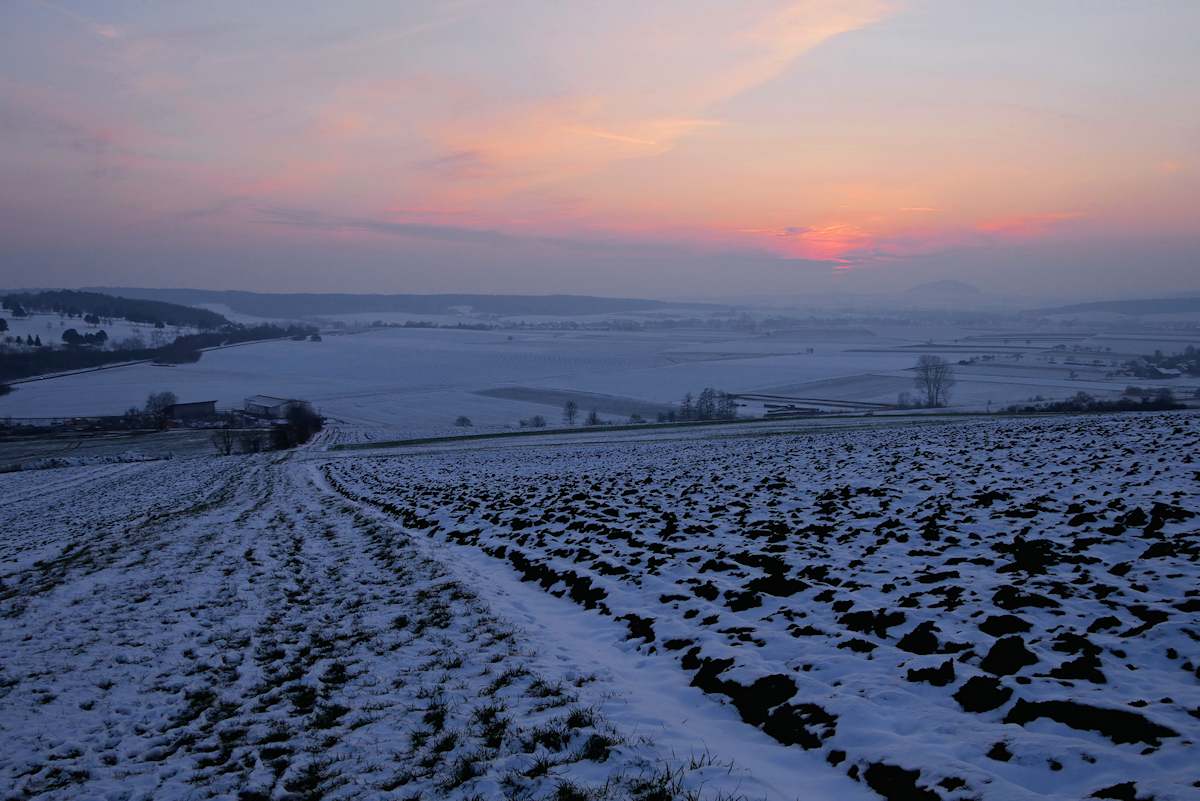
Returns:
(275, 408)
(192, 412)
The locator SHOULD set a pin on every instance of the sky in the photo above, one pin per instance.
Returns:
(648, 148)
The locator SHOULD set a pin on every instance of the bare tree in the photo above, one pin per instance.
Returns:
(934, 379)
(726, 406)
(223, 439)
(570, 412)
(157, 404)
(593, 419)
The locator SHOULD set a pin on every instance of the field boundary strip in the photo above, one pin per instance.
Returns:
(901, 420)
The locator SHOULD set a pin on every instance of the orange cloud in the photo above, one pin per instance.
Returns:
(654, 92)
(537, 144)
(791, 32)
(454, 140)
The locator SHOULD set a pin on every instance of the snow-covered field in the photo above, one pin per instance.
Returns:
(410, 379)
(999, 609)
(233, 628)
(1002, 609)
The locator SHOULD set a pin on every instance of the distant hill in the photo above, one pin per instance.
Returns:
(294, 306)
(946, 287)
(1129, 307)
(137, 310)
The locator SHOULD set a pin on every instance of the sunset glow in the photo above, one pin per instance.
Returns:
(895, 142)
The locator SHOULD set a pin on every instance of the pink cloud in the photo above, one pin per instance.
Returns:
(1025, 224)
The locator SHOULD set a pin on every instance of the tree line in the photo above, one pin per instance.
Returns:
(100, 306)
(710, 404)
(82, 353)
(1160, 400)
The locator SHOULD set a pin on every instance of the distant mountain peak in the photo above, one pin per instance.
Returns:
(947, 286)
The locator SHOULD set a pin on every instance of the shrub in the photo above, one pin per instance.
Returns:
(302, 423)
(1161, 401)
(176, 354)
(252, 440)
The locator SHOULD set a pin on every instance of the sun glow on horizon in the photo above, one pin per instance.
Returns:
(858, 133)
